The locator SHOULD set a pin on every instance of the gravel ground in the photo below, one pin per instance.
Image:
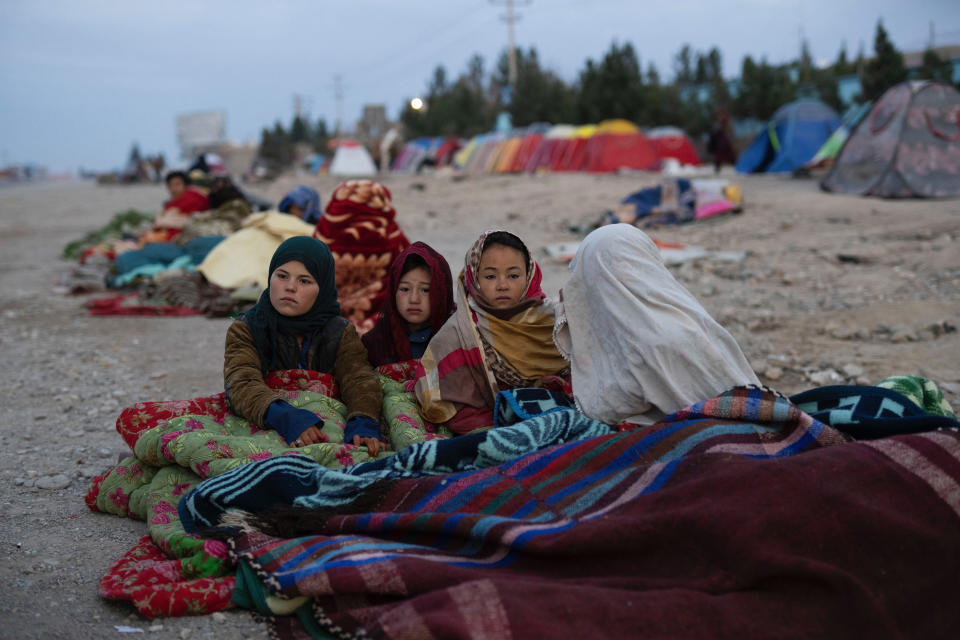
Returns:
(833, 289)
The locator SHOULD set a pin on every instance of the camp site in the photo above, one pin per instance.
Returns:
(599, 323)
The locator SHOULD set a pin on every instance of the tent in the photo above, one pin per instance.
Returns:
(618, 144)
(673, 142)
(791, 138)
(352, 159)
(828, 152)
(411, 155)
(461, 159)
(574, 154)
(447, 149)
(551, 145)
(908, 146)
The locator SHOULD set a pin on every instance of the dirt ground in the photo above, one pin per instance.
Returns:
(832, 289)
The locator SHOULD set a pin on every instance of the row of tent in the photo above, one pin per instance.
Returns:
(905, 145)
(609, 146)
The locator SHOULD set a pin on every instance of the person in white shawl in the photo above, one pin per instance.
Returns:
(639, 344)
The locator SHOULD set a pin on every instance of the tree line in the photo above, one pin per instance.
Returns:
(619, 86)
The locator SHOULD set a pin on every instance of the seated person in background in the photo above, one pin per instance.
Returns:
(640, 346)
(297, 325)
(498, 338)
(420, 300)
(222, 191)
(185, 199)
(360, 227)
(229, 207)
(303, 202)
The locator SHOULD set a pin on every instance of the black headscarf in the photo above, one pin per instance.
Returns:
(268, 326)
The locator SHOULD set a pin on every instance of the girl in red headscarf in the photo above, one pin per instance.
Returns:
(419, 301)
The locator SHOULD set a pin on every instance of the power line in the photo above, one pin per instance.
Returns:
(424, 44)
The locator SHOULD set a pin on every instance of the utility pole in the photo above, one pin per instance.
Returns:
(338, 96)
(511, 18)
(302, 105)
(511, 44)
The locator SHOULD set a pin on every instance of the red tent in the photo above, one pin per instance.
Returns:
(540, 158)
(574, 155)
(525, 152)
(446, 151)
(607, 152)
(671, 142)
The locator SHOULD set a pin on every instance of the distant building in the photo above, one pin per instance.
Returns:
(374, 124)
(372, 127)
(913, 60)
(201, 132)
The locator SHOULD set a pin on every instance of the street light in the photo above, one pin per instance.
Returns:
(417, 104)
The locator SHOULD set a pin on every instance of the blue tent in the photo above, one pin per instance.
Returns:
(791, 138)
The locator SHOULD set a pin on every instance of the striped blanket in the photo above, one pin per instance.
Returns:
(858, 540)
(732, 518)
(300, 481)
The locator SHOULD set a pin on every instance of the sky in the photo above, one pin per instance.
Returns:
(80, 82)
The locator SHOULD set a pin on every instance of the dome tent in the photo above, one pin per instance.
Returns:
(907, 146)
(352, 159)
(673, 142)
(791, 138)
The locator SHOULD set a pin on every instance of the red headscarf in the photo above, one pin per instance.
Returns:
(388, 341)
(359, 227)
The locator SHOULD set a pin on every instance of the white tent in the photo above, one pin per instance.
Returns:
(352, 159)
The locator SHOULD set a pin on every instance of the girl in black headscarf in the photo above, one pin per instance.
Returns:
(297, 325)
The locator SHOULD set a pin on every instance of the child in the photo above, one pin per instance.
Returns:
(303, 202)
(185, 199)
(422, 301)
(640, 345)
(499, 338)
(297, 325)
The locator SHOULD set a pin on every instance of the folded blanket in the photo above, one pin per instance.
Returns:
(865, 412)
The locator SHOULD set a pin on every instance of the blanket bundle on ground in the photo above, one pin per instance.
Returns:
(734, 517)
(126, 224)
(676, 201)
(133, 304)
(595, 540)
(177, 444)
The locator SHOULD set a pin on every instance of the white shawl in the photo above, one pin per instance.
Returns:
(639, 344)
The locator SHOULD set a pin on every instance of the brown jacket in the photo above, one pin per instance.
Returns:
(249, 398)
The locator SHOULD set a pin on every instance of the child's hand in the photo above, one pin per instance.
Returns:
(312, 435)
(372, 444)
